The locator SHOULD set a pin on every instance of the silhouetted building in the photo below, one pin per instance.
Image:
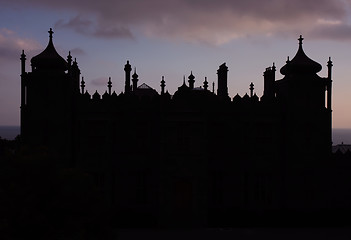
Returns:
(194, 158)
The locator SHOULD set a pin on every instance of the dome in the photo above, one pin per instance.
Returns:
(300, 63)
(49, 58)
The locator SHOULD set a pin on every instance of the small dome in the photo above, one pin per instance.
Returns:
(49, 58)
(300, 63)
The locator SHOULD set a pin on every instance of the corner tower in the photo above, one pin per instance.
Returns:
(302, 97)
(48, 100)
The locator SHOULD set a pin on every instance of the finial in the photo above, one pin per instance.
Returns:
(330, 63)
(50, 33)
(23, 56)
(251, 89)
(273, 67)
(288, 60)
(205, 84)
(300, 40)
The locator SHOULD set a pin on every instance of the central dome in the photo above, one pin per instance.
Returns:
(300, 63)
(49, 58)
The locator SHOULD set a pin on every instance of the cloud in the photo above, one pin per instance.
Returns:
(332, 30)
(77, 51)
(91, 28)
(12, 45)
(101, 81)
(205, 21)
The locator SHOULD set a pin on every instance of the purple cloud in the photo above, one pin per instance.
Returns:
(88, 27)
(206, 21)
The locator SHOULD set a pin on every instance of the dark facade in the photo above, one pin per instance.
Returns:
(195, 158)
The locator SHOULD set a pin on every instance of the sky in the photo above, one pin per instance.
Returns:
(171, 38)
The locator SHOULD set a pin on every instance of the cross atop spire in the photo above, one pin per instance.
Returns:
(50, 33)
(300, 40)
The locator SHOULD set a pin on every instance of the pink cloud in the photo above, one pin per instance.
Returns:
(11, 45)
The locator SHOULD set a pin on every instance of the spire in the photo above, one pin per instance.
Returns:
(163, 85)
(23, 62)
(213, 87)
(251, 89)
(205, 84)
(50, 34)
(69, 59)
(135, 80)
(127, 69)
(273, 67)
(109, 85)
(300, 40)
(191, 80)
(82, 85)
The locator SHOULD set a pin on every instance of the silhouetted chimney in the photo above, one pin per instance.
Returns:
(222, 90)
(269, 79)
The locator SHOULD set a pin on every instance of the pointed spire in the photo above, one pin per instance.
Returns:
(82, 85)
(163, 84)
(109, 85)
(205, 84)
(213, 87)
(69, 58)
(273, 67)
(251, 89)
(23, 62)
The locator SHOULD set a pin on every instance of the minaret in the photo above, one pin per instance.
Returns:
(135, 80)
(191, 80)
(127, 69)
(163, 84)
(109, 85)
(205, 84)
(222, 90)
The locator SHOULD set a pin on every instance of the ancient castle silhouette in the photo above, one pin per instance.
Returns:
(196, 158)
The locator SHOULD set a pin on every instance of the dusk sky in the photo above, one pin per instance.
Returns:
(171, 38)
